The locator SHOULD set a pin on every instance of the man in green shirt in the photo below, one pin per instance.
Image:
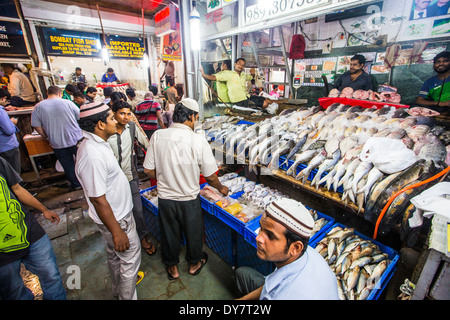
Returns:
(435, 92)
(236, 82)
(222, 89)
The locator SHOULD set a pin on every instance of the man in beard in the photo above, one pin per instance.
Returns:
(356, 77)
(435, 92)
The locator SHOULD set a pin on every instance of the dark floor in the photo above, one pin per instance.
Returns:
(78, 244)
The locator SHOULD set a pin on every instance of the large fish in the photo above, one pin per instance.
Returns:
(295, 149)
(401, 202)
(406, 176)
(327, 164)
(373, 177)
(433, 149)
(362, 169)
(303, 157)
(314, 163)
(375, 193)
(283, 149)
(349, 171)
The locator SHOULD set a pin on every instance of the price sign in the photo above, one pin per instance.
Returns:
(270, 9)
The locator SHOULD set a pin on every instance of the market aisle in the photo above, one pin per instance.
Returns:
(84, 247)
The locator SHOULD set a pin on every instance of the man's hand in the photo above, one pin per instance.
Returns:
(121, 241)
(52, 216)
(224, 190)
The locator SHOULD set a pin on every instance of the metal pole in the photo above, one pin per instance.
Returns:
(187, 56)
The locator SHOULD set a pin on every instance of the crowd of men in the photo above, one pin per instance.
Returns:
(95, 144)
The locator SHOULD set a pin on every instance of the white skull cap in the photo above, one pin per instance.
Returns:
(190, 104)
(293, 215)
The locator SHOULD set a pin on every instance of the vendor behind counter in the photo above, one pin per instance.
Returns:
(20, 88)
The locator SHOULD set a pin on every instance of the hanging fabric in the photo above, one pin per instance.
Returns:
(297, 50)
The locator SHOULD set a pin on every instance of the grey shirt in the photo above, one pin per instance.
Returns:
(58, 117)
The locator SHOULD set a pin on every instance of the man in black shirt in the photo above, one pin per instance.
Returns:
(356, 78)
(23, 240)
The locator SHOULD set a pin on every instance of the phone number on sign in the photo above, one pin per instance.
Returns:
(260, 12)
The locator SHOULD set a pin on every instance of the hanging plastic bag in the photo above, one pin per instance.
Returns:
(387, 155)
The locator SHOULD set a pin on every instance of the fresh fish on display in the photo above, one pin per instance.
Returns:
(314, 163)
(326, 165)
(295, 149)
(303, 157)
(357, 263)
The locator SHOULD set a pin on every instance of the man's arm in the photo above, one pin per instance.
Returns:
(27, 199)
(207, 76)
(254, 295)
(150, 173)
(106, 215)
(14, 86)
(41, 131)
(214, 182)
(160, 119)
(431, 103)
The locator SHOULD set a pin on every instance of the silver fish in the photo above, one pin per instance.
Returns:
(360, 171)
(314, 163)
(327, 164)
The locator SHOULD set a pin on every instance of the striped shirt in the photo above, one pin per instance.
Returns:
(146, 114)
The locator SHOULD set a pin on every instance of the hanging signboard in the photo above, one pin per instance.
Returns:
(217, 4)
(257, 11)
(310, 71)
(8, 9)
(166, 21)
(172, 46)
(71, 43)
(125, 47)
(11, 39)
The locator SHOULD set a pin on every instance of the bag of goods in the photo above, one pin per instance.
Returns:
(387, 155)
(234, 208)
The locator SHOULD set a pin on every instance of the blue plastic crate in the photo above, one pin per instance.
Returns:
(205, 203)
(388, 273)
(229, 219)
(245, 122)
(151, 216)
(146, 203)
(246, 256)
(250, 230)
(220, 238)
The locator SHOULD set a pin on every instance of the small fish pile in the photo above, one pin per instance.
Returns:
(319, 223)
(357, 263)
(235, 183)
(152, 196)
(260, 196)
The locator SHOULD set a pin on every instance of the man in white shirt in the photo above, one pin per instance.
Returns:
(301, 272)
(19, 85)
(176, 157)
(108, 194)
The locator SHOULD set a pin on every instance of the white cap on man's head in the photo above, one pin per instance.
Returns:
(292, 215)
(190, 104)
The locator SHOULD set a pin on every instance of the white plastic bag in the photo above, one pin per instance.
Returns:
(272, 108)
(387, 155)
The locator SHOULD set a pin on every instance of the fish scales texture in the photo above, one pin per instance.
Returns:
(406, 176)
(358, 263)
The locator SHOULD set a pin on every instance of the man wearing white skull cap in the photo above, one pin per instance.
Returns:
(176, 157)
(301, 272)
